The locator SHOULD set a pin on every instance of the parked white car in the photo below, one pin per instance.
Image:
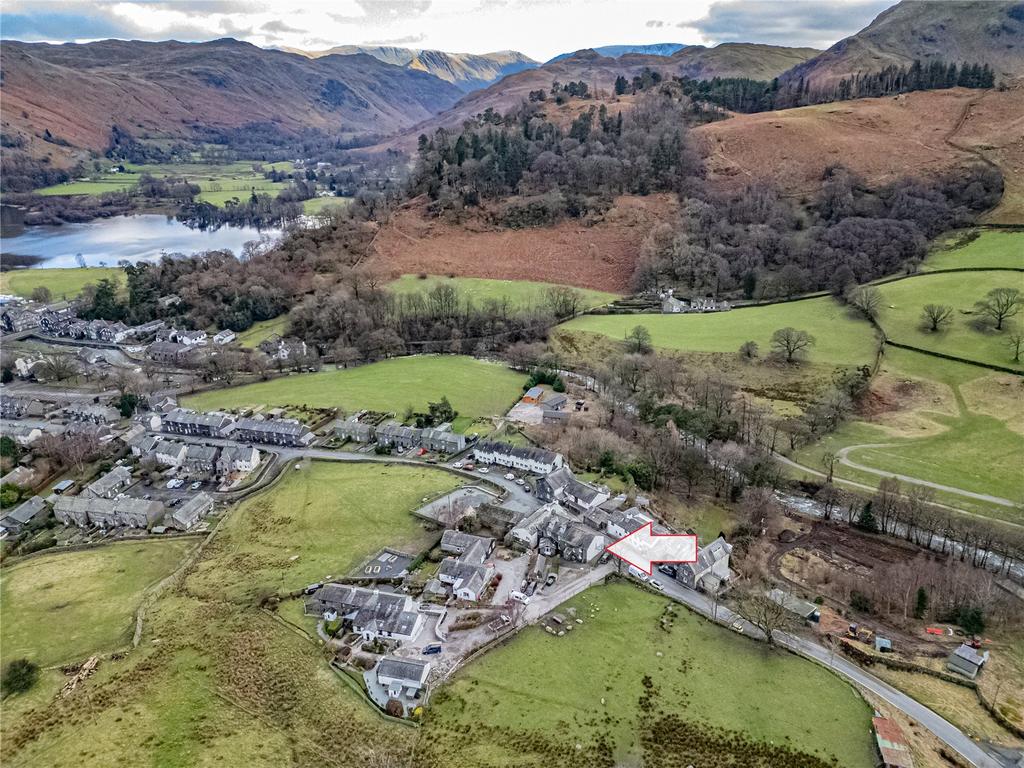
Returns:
(483, 470)
(510, 476)
(520, 481)
(196, 485)
(520, 597)
(657, 585)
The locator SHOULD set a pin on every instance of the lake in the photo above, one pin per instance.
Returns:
(105, 242)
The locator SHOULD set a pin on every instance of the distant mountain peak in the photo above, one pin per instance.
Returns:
(615, 51)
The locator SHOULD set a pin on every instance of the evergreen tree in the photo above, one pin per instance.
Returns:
(921, 603)
(866, 521)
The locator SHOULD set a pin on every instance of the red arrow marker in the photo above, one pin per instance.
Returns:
(642, 548)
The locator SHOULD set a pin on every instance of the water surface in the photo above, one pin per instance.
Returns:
(105, 242)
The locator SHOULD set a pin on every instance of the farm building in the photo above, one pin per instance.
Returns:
(966, 661)
(802, 608)
(892, 744)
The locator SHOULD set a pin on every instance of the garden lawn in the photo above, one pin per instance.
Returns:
(520, 293)
(841, 337)
(63, 283)
(262, 330)
(323, 519)
(545, 700)
(475, 388)
(62, 607)
(903, 301)
(992, 248)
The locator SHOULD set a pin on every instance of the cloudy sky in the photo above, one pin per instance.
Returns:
(538, 28)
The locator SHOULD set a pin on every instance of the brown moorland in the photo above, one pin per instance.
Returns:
(882, 139)
(599, 256)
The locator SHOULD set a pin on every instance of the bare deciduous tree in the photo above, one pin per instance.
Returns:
(865, 299)
(935, 317)
(791, 342)
(1015, 341)
(999, 305)
(755, 606)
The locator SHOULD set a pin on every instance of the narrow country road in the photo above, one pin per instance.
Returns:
(945, 731)
(844, 459)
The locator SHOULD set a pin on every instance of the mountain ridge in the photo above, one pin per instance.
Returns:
(77, 92)
(615, 51)
(467, 71)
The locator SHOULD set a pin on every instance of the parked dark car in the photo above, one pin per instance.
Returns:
(432, 649)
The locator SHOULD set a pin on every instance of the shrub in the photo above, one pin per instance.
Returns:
(860, 602)
(18, 677)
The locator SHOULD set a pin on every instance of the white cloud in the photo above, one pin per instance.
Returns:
(539, 28)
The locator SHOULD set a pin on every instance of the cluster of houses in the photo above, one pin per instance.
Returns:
(61, 319)
(671, 305)
(196, 460)
(391, 434)
(104, 504)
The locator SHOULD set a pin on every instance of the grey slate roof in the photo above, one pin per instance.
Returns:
(118, 477)
(407, 670)
(507, 449)
(27, 511)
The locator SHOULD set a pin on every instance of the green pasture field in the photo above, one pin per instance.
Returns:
(842, 338)
(623, 687)
(903, 302)
(991, 248)
(321, 520)
(64, 283)
(63, 607)
(474, 388)
(521, 293)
